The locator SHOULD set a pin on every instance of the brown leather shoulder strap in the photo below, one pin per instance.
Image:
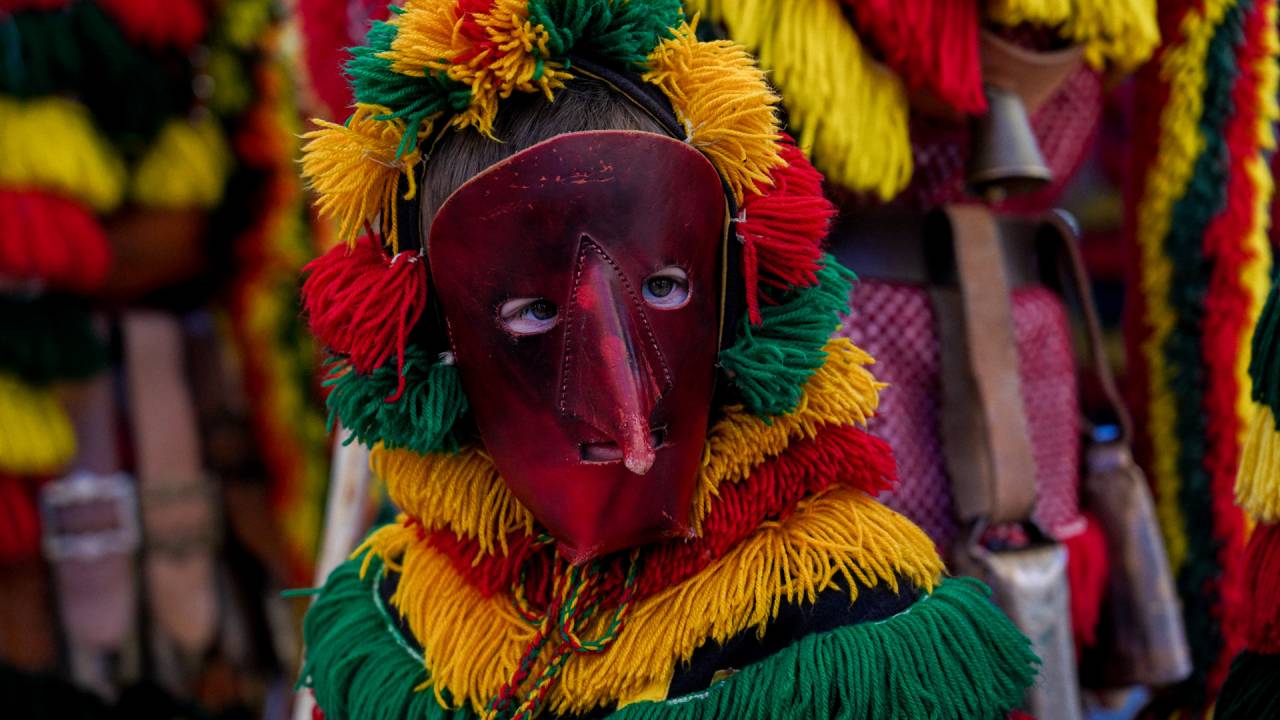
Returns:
(985, 431)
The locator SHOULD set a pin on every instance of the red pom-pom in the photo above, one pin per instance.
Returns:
(362, 303)
(52, 241)
(19, 521)
(1087, 568)
(1262, 568)
(782, 230)
(160, 23)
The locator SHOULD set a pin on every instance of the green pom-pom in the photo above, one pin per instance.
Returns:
(606, 29)
(770, 364)
(49, 338)
(424, 418)
(410, 98)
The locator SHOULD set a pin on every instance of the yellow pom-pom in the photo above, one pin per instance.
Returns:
(496, 53)
(36, 437)
(354, 170)
(1122, 33)
(727, 108)
(1258, 483)
(186, 167)
(51, 144)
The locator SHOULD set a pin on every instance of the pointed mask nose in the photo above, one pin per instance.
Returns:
(613, 373)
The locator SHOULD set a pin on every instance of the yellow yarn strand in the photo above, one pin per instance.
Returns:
(186, 167)
(1258, 483)
(354, 170)
(51, 144)
(851, 111)
(1180, 143)
(1122, 33)
(722, 99)
(428, 38)
(464, 493)
(36, 437)
(472, 644)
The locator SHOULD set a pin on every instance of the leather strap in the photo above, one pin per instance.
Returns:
(984, 426)
(1059, 231)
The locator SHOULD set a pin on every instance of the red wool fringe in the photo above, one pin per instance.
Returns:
(1087, 568)
(160, 23)
(1262, 612)
(328, 28)
(51, 240)
(782, 231)
(932, 44)
(19, 521)
(362, 304)
(1225, 329)
(844, 455)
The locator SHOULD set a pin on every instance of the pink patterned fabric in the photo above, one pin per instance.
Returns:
(895, 323)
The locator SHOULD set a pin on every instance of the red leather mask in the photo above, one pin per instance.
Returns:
(589, 363)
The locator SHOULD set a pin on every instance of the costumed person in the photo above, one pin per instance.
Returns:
(587, 332)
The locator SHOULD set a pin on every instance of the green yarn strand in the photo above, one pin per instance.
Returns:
(951, 655)
(423, 419)
(1252, 688)
(770, 363)
(49, 338)
(625, 32)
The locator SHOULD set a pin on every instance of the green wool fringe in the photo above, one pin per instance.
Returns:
(357, 664)
(770, 363)
(623, 32)
(423, 419)
(951, 655)
(49, 338)
(1252, 689)
(1264, 365)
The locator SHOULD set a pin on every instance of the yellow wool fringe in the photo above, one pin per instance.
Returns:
(1120, 33)
(463, 491)
(472, 644)
(428, 39)
(851, 111)
(726, 106)
(354, 170)
(1258, 483)
(187, 167)
(1180, 143)
(36, 437)
(51, 144)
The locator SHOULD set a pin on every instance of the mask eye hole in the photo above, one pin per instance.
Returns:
(667, 289)
(528, 316)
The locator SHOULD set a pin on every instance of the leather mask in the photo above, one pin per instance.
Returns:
(581, 283)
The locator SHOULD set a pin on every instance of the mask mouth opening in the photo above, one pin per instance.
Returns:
(611, 452)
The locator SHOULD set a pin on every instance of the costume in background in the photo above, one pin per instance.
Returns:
(764, 579)
(1199, 260)
(151, 227)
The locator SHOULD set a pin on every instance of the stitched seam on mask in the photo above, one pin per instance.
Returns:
(568, 331)
(644, 317)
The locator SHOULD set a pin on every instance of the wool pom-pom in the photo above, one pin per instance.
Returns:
(1087, 569)
(1262, 589)
(186, 167)
(624, 33)
(362, 304)
(850, 110)
(178, 24)
(355, 169)
(1252, 689)
(1123, 33)
(19, 521)
(725, 104)
(783, 229)
(49, 338)
(51, 144)
(932, 44)
(770, 364)
(417, 409)
(35, 432)
(51, 241)
(1258, 481)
